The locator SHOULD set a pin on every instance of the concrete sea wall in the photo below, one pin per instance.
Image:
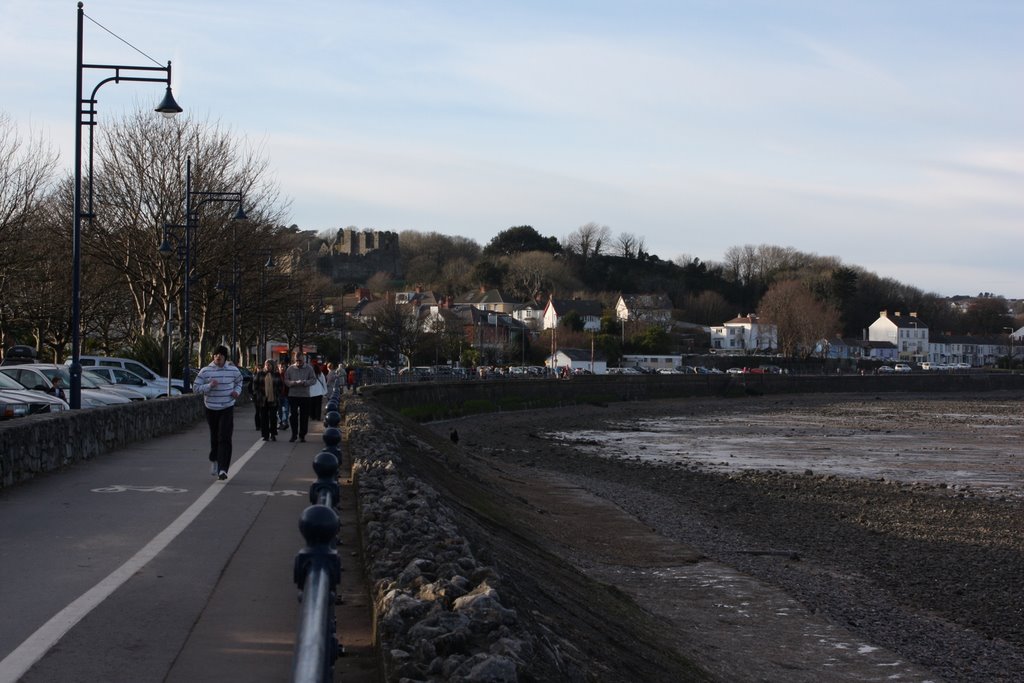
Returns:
(439, 400)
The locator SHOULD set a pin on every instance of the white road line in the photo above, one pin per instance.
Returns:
(22, 658)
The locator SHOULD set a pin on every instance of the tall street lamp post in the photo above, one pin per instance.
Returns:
(184, 244)
(85, 116)
(261, 327)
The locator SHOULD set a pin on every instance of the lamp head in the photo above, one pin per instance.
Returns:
(168, 107)
(270, 262)
(165, 249)
(240, 214)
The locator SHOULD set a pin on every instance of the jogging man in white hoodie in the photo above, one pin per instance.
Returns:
(220, 383)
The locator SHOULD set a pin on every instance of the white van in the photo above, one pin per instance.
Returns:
(128, 364)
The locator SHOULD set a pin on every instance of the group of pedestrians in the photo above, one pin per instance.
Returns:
(284, 398)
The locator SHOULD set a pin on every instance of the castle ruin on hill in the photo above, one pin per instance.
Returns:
(354, 256)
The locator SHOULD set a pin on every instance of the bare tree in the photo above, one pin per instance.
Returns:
(425, 255)
(26, 173)
(628, 245)
(395, 330)
(800, 319)
(587, 241)
(139, 185)
(532, 274)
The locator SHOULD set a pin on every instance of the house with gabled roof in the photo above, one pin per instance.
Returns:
(907, 332)
(493, 300)
(589, 310)
(578, 360)
(650, 308)
(745, 333)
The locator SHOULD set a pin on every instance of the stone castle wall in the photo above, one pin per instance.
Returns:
(354, 256)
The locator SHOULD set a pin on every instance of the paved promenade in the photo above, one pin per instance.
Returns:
(139, 566)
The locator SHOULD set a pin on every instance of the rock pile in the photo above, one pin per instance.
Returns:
(439, 610)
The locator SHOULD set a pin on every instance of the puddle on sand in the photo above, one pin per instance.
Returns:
(983, 452)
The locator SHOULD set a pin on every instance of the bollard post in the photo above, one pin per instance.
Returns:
(317, 573)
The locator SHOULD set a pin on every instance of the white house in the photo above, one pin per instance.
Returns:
(578, 360)
(587, 309)
(530, 314)
(907, 332)
(649, 308)
(744, 334)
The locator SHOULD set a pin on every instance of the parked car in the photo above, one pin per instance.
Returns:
(122, 377)
(901, 367)
(128, 364)
(12, 406)
(37, 401)
(39, 376)
(884, 370)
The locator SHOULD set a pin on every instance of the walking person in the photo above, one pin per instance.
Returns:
(299, 378)
(220, 383)
(332, 378)
(268, 389)
(283, 407)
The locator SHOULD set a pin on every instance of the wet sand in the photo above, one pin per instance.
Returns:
(897, 517)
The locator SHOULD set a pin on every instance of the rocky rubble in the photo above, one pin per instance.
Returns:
(440, 611)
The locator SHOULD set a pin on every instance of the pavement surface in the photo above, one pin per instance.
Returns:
(140, 566)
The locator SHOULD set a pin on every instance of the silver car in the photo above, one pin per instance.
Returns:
(39, 376)
(127, 378)
(38, 402)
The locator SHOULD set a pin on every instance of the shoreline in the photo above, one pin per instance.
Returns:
(930, 572)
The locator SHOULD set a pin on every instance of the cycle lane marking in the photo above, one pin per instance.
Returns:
(22, 658)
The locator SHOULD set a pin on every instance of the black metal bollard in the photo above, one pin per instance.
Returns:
(317, 573)
(325, 465)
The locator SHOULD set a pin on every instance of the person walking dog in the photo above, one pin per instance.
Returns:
(220, 383)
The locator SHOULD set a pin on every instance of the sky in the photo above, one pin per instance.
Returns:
(886, 133)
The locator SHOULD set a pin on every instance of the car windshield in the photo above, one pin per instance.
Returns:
(50, 373)
(8, 383)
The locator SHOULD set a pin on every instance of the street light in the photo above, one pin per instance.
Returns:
(261, 331)
(85, 115)
(184, 250)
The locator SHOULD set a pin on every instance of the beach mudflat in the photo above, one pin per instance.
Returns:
(896, 519)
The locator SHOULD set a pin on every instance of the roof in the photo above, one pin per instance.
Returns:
(490, 296)
(583, 355)
(583, 307)
(647, 301)
(742, 320)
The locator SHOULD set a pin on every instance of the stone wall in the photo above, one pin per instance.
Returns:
(439, 612)
(38, 444)
(438, 400)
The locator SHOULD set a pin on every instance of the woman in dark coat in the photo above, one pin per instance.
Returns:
(267, 390)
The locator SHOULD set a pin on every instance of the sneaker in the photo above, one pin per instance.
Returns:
(292, 440)
(302, 439)
(223, 475)
(273, 437)
(213, 469)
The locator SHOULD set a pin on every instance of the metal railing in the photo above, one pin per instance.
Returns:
(317, 569)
